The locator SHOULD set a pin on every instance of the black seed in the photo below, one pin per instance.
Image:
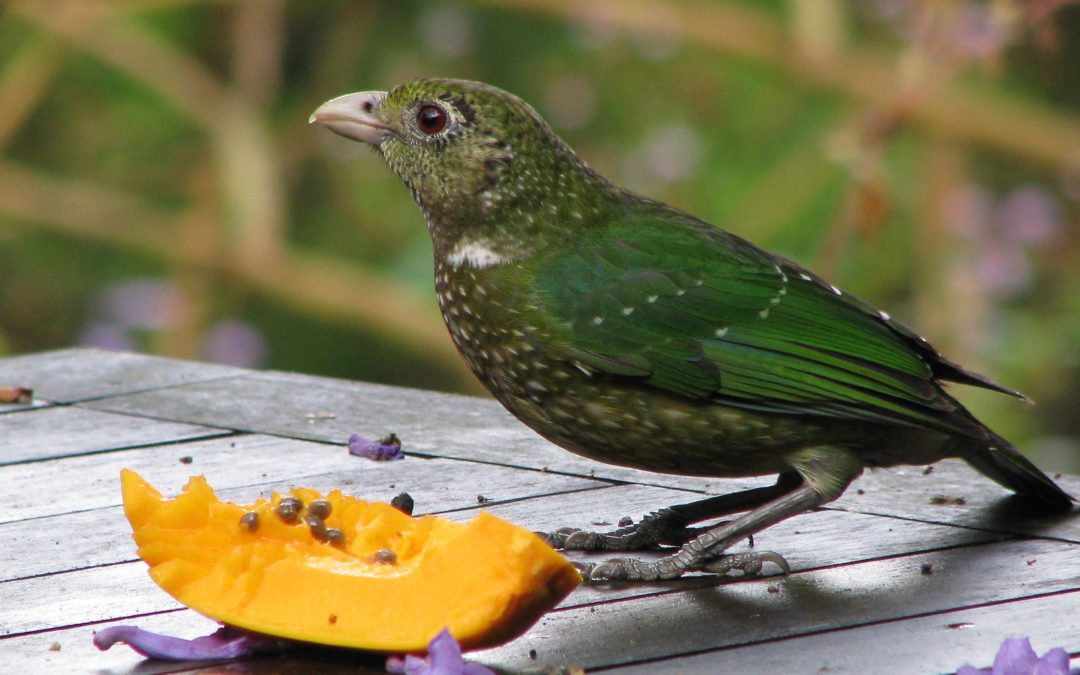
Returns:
(335, 537)
(318, 527)
(626, 521)
(403, 502)
(320, 508)
(250, 521)
(532, 654)
(481, 499)
(926, 568)
(288, 509)
(186, 459)
(385, 556)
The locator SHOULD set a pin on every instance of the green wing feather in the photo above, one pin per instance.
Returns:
(696, 311)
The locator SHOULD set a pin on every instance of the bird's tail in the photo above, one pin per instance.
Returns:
(1002, 462)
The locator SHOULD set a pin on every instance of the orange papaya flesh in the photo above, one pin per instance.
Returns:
(486, 580)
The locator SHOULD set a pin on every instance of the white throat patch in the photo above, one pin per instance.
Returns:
(478, 254)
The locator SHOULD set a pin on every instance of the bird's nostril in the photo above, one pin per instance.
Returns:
(368, 106)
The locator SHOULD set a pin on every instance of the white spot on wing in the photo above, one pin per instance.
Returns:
(477, 254)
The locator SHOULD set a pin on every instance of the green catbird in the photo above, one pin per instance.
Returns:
(630, 332)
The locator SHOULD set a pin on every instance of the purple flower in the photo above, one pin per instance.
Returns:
(444, 658)
(225, 643)
(382, 450)
(234, 343)
(1016, 657)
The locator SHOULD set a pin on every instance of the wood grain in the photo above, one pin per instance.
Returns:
(79, 374)
(879, 575)
(99, 534)
(324, 409)
(650, 627)
(939, 643)
(54, 432)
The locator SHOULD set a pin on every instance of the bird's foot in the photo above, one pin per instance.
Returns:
(674, 566)
(663, 527)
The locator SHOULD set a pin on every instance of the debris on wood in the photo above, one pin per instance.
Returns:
(945, 500)
(383, 450)
(16, 395)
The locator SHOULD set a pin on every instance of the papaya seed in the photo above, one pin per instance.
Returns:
(318, 527)
(320, 508)
(335, 537)
(288, 509)
(250, 521)
(403, 502)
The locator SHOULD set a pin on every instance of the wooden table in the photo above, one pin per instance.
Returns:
(891, 578)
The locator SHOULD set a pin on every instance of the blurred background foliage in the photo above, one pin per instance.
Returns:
(160, 189)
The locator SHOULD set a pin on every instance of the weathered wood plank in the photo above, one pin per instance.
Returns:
(60, 431)
(6, 408)
(477, 429)
(324, 409)
(820, 539)
(75, 653)
(857, 563)
(249, 460)
(907, 492)
(101, 535)
(916, 646)
(70, 375)
(650, 627)
(655, 626)
(939, 643)
(82, 596)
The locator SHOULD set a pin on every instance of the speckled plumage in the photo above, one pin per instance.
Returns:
(630, 332)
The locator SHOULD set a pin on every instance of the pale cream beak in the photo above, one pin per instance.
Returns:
(354, 116)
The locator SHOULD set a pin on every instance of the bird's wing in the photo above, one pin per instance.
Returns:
(693, 310)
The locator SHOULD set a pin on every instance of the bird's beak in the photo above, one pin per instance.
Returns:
(354, 116)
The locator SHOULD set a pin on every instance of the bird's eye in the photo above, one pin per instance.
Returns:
(431, 119)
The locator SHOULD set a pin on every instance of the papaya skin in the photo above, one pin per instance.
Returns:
(486, 580)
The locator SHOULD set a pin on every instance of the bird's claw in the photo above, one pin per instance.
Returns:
(652, 531)
(672, 567)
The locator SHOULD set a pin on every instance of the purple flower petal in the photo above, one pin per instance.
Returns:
(383, 450)
(1053, 662)
(225, 643)
(444, 658)
(1015, 657)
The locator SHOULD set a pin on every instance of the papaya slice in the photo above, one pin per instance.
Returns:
(391, 584)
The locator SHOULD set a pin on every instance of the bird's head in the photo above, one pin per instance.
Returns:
(476, 158)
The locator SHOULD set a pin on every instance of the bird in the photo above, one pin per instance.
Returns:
(633, 333)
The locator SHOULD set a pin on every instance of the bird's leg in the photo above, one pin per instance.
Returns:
(671, 525)
(826, 472)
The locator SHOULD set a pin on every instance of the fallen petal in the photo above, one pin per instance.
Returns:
(1053, 662)
(225, 643)
(382, 450)
(444, 658)
(1015, 656)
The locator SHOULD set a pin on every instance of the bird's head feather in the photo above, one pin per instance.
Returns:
(478, 160)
